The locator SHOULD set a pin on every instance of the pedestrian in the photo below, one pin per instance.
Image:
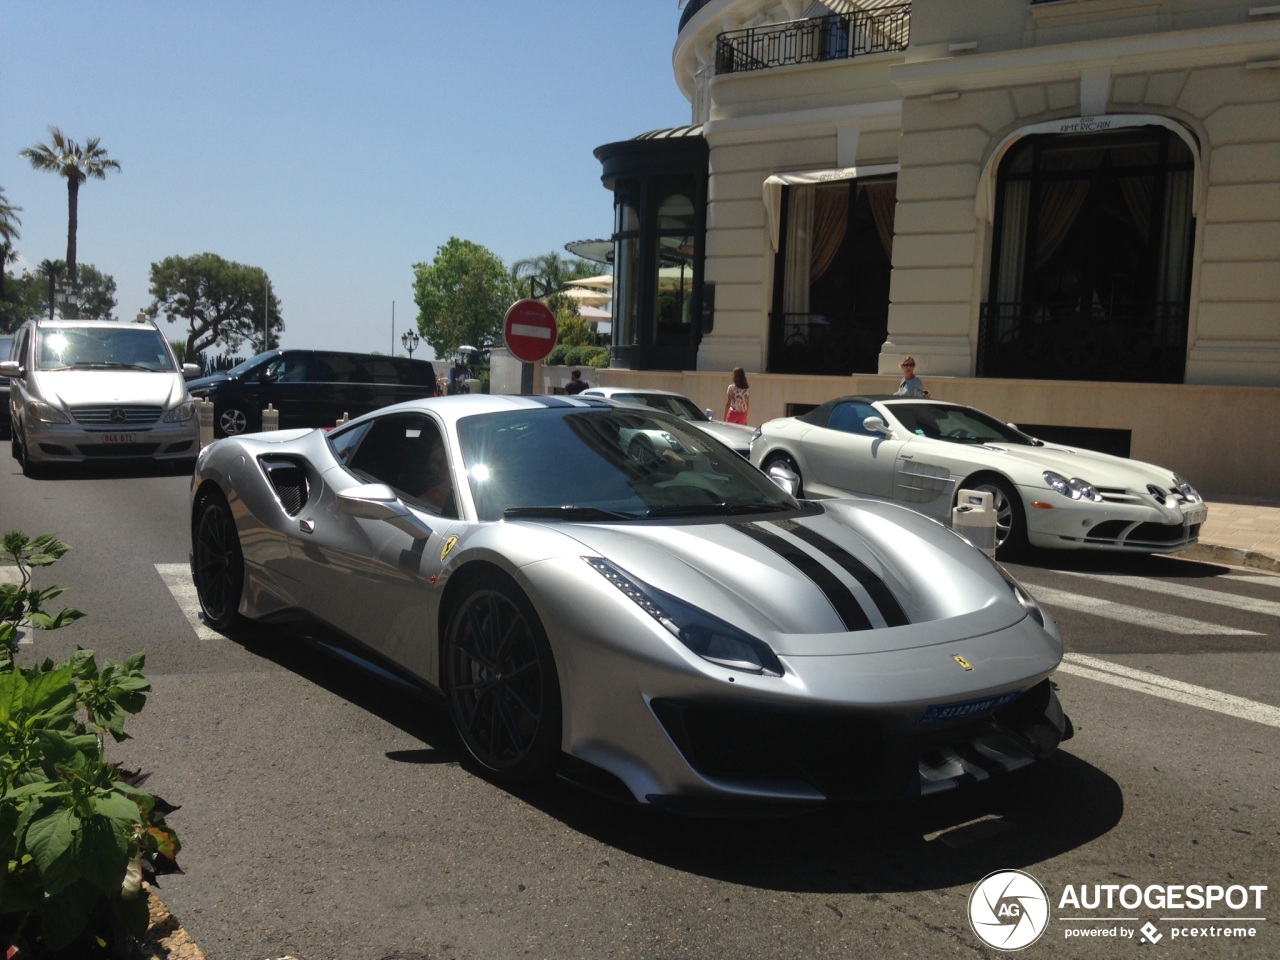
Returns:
(576, 384)
(911, 385)
(737, 398)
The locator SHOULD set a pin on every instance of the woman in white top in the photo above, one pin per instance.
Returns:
(737, 398)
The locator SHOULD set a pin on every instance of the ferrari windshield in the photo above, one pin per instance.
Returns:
(606, 464)
(944, 421)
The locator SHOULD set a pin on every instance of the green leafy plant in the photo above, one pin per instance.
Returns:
(78, 835)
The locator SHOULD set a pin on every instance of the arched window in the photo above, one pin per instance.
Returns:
(1091, 258)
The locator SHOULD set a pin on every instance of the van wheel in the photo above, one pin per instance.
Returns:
(35, 471)
(232, 420)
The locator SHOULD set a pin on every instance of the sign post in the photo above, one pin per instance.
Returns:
(529, 332)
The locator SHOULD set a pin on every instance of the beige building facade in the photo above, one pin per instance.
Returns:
(1068, 212)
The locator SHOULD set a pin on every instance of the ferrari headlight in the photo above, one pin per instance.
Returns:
(181, 413)
(709, 637)
(1027, 600)
(1184, 488)
(45, 413)
(1073, 489)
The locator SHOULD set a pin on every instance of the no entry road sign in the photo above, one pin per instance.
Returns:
(530, 330)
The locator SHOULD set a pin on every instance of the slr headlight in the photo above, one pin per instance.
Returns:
(45, 413)
(1184, 488)
(1073, 489)
(709, 637)
(181, 413)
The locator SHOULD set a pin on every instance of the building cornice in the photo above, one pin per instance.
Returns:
(880, 115)
(1238, 43)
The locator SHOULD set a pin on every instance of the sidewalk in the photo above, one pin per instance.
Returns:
(1244, 533)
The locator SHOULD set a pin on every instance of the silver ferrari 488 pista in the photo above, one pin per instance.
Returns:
(609, 593)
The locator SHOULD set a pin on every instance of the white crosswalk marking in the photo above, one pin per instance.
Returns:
(1140, 616)
(177, 577)
(1270, 608)
(1105, 671)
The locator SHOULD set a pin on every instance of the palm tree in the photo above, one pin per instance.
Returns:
(9, 222)
(550, 271)
(51, 269)
(65, 157)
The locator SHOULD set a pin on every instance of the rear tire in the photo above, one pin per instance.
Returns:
(217, 563)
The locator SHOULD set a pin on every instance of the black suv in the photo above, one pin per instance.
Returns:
(310, 388)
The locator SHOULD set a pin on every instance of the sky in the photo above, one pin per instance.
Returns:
(333, 144)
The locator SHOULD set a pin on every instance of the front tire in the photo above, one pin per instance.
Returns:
(1011, 521)
(232, 421)
(217, 563)
(499, 677)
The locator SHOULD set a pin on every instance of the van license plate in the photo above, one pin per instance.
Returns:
(119, 438)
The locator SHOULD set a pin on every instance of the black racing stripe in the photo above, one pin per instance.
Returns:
(877, 589)
(841, 597)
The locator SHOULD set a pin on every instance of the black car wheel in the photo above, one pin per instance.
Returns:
(217, 563)
(232, 421)
(787, 462)
(1011, 524)
(500, 679)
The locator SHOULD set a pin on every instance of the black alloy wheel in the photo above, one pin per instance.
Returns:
(500, 680)
(217, 563)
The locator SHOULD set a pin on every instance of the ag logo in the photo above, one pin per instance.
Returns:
(1008, 910)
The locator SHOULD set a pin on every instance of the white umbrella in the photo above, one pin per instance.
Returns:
(586, 298)
(602, 282)
(595, 315)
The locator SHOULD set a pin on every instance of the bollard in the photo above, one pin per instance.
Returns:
(270, 418)
(204, 415)
(974, 518)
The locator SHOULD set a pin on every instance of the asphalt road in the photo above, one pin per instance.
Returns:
(324, 814)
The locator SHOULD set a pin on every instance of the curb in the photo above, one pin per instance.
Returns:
(166, 939)
(1231, 556)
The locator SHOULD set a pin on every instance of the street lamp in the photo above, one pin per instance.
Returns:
(410, 341)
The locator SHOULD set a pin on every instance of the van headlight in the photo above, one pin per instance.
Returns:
(45, 413)
(181, 413)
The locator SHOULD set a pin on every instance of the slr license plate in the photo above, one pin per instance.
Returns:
(1198, 515)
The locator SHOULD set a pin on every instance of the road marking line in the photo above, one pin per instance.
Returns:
(1269, 580)
(1157, 686)
(1124, 613)
(177, 577)
(1269, 608)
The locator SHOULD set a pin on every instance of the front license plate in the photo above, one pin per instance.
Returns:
(946, 712)
(118, 438)
(1198, 515)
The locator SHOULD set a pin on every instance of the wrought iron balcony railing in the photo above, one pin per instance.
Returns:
(1135, 342)
(836, 36)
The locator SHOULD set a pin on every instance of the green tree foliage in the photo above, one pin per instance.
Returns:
(75, 164)
(462, 297)
(28, 296)
(219, 301)
(9, 223)
(548, 273)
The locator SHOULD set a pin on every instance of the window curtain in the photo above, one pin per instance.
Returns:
(882, 198)
(799, 257)
(1062, 200)
(830, 224)
(1175, 243)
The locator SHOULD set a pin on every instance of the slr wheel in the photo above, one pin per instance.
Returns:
(499, 677)
(217, 563)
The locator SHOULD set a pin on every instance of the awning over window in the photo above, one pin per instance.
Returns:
(773, 188)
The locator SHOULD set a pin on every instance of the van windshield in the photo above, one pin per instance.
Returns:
(244, 366)
(103, 348)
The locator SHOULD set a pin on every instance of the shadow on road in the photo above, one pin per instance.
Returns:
(939, 842)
